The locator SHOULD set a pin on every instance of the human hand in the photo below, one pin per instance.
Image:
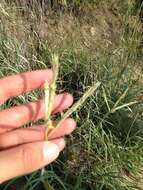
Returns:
(23, 150)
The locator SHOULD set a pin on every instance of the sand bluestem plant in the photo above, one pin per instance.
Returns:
(50, 91)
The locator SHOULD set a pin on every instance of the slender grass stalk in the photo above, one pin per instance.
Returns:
(50, 91)
(106, 99)
(121, 98)
(52, 88)
(47, 95)
(79, 103)
(123, 106)
(3, 11)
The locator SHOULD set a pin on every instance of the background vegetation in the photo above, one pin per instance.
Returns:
(96, 40)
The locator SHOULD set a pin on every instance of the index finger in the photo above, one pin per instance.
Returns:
(17, 84)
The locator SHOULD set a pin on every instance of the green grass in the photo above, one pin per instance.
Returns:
(102, 42)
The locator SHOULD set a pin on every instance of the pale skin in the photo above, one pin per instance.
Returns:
(24, 150)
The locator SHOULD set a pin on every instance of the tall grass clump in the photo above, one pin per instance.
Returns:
(102, 41)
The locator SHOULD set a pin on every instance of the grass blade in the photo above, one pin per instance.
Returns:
(123, 106)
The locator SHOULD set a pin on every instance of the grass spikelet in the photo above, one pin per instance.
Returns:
(79, 103)
(50, 91)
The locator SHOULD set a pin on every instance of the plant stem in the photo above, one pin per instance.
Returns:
(79, 103)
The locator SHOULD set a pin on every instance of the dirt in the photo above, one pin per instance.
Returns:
(91, 28)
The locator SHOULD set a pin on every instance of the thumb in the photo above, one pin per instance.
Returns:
(28, 158)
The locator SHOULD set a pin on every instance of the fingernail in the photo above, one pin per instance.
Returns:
(50, 151)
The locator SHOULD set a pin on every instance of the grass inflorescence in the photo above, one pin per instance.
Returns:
(50, 91)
